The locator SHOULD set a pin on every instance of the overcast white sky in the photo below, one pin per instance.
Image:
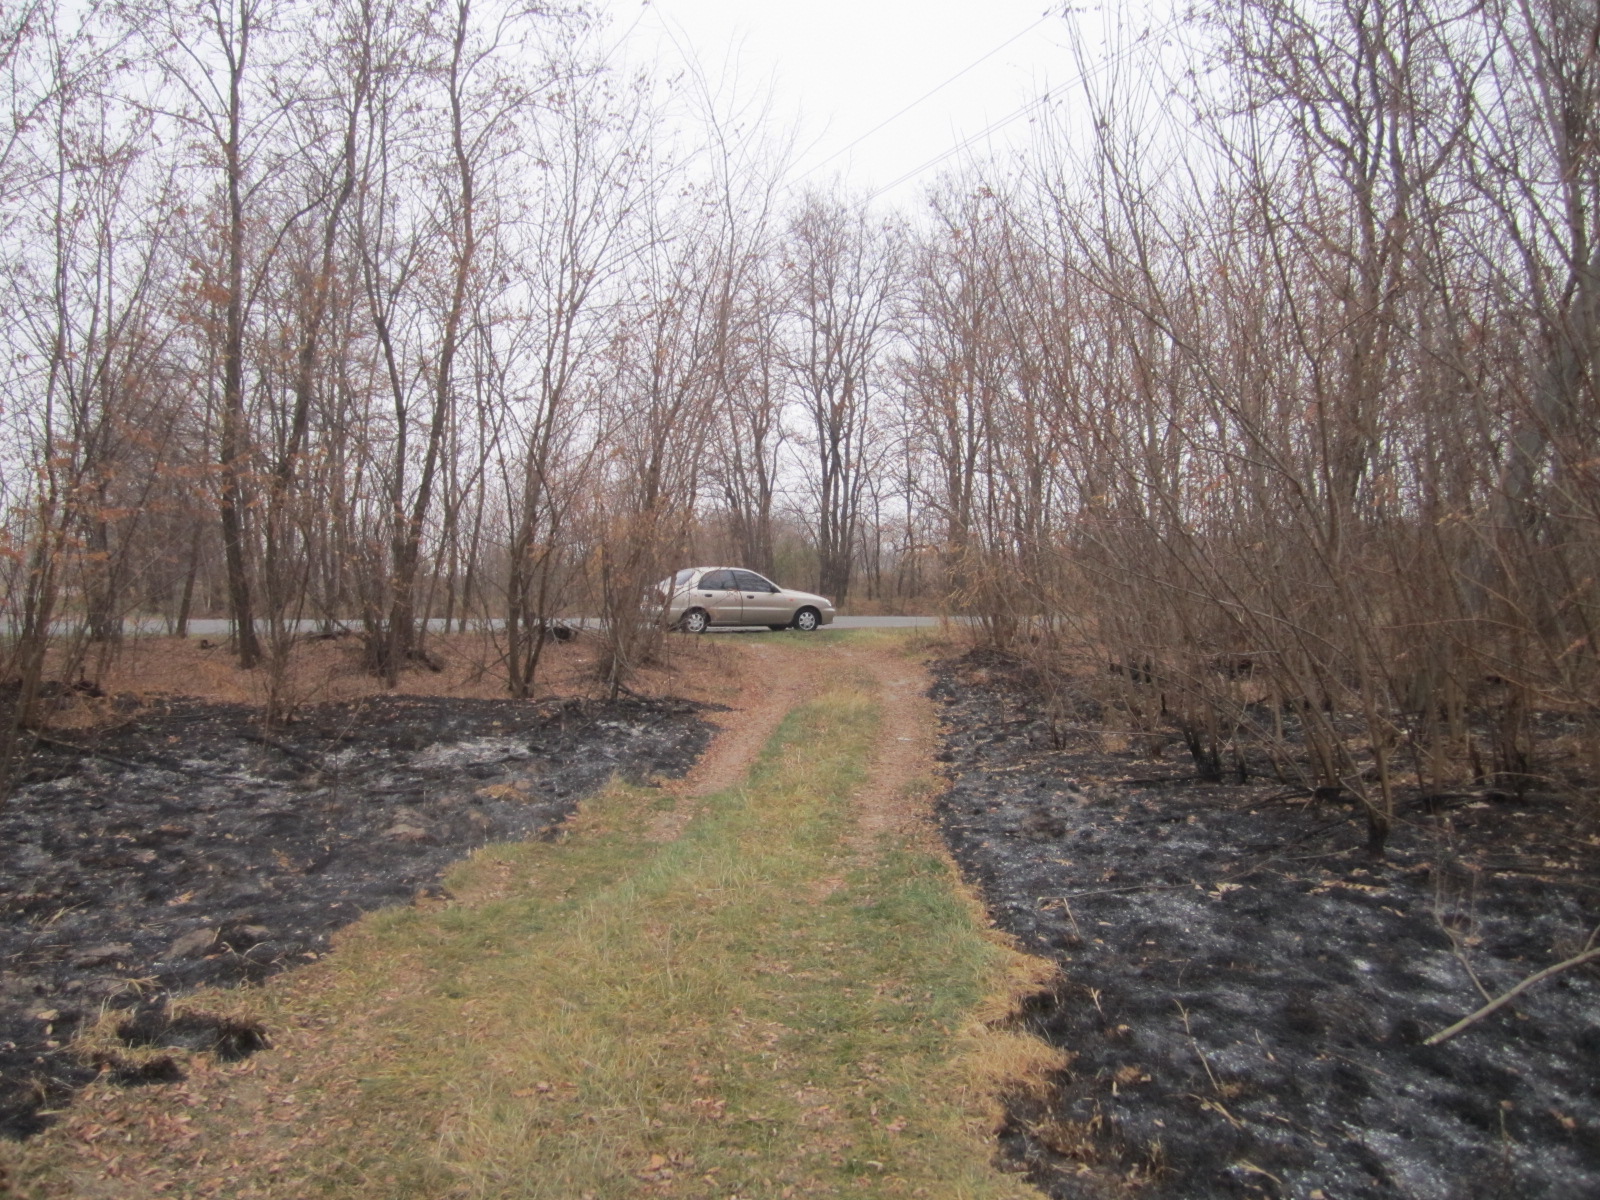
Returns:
(839, 68)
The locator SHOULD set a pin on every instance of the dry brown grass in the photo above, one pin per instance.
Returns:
(146, 669)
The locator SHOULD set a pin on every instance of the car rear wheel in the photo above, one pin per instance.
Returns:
(696, 620)
(807, 619)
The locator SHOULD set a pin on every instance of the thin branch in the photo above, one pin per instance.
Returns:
(1590, 953)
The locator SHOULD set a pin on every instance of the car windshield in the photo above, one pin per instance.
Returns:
(677, 581)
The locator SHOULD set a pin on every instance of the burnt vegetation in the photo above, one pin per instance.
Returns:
(1250, 1001)
(181, 848)
(1267, 396)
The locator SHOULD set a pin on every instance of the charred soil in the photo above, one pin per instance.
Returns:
(1246, 993)
(183, 846)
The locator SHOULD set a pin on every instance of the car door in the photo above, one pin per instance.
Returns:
(717, 594)
(762, 605)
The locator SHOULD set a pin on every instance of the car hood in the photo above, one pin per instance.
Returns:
(821, 601)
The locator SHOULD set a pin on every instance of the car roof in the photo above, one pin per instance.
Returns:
(751, 570)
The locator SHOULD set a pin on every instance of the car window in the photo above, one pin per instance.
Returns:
(749, 581)
(716, 581)
(683, 577)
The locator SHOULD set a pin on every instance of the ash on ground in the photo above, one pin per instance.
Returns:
(1246, 993)
(188, 848)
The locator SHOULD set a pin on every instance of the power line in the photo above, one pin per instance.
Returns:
(1036, 102)
(925, 96)
(1018, 113)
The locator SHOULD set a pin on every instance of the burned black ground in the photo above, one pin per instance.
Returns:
(185, 847)
(1245, 992)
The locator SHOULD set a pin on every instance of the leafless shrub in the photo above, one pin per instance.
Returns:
(1292, 429)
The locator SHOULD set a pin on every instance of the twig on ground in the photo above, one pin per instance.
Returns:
(1151, 781)
(1246, 1165)
(1136, 887)
(87, 751)
(1294, 793)
(1304, 837)
(1457, 946)
(1199, 1053)
(284, 748)
(158, 762)
(1242, 873)
(1215, 1102)
(1466, 965)
(1072, 918)
(1589, 954)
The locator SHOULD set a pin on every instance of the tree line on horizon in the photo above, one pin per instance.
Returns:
(1278, 386)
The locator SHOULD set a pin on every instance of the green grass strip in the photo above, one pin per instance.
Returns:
(761, 1008)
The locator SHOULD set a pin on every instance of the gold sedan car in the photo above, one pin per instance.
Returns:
(699, 597)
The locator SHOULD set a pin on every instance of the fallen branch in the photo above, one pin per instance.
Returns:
(284, 748)
(87, 751)
(1590, 953)
(1135, 887)
(159, 761)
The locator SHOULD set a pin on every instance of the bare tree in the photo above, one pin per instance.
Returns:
(669, 362)
(589, 177)
(749, 452)
(842, 276)
(85, 387)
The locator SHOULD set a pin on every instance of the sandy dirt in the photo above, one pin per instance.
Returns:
(907, 738)
(772, 679)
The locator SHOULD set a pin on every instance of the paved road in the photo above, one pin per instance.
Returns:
(212, 628)
(883, 622)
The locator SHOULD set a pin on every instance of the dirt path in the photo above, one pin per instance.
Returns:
(772, 680)
(420, 978)
(907, 734)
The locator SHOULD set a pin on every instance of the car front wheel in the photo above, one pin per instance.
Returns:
(696, 620)
(807, 619)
